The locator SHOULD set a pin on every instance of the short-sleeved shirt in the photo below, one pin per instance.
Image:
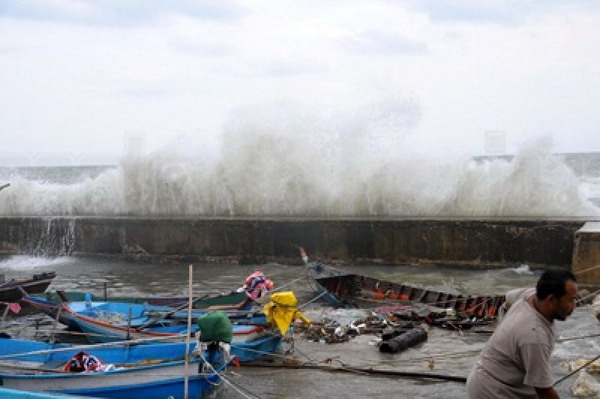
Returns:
(516, 358)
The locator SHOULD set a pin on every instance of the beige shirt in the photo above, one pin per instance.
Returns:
(516, 358)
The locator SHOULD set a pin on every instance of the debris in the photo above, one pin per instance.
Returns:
(586, 386)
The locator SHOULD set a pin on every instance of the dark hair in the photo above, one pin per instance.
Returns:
(553, 282)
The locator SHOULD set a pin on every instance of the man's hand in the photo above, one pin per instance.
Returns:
(547, 393)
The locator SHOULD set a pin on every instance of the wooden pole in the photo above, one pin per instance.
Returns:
(188, 334)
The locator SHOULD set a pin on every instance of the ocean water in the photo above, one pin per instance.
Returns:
(261, 176)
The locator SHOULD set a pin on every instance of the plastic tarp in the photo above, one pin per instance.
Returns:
(215, 327)
(283, 310)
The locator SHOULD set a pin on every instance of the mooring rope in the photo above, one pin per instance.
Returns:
(226, 380)
(288, 284)
(586, 270)
(566, 339)
(312, 300)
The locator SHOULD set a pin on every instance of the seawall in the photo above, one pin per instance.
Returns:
(471, 242)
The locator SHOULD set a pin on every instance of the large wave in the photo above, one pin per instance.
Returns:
(299, 168)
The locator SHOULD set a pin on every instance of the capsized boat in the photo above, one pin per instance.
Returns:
(344, 289)
(39, 282)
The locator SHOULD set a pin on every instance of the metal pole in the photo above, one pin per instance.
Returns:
(129, 324)
(105, 285)
(188, 334)
(4, 315)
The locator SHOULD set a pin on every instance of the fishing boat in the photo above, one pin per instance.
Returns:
(138, 314)
(33, 355)
(108, 322)
(232, 298)
(144, 371)
(9, 290)
(16, 394)
(343, 289)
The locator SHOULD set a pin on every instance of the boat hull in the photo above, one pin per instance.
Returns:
(352, 290)
(154, 381)
(10, 291)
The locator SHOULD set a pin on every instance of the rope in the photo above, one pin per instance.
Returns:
(312, 300)
(587, 270)
(576, 338)
(593, 294)
(357, 370)
(290, 283)
(227, 380)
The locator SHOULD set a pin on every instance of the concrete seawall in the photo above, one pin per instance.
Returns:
(478, 243)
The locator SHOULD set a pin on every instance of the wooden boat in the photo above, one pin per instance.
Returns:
(154, 377)
(9, 290)
(345, 289)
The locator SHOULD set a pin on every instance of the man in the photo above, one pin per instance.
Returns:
(515, 361)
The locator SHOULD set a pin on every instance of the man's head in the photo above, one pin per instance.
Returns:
(557, 290)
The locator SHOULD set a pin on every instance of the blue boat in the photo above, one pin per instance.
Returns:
(148, 371)
(134, 314)
(15, 394)
(35, 354)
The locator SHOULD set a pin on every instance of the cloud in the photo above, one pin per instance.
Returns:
(202, 47)
(288, 68)
(377, 42)
(493, 11)
(119, 13)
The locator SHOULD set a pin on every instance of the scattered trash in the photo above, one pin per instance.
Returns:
(586, 386)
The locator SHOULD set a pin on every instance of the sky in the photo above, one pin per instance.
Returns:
(83, 81)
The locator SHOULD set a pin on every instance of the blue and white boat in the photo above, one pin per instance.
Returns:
(16, 394)
(154, 377)
(35, 354)
(134, 314)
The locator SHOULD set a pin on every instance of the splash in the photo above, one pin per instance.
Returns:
(523, 270)
(300, 166)
(25, 263)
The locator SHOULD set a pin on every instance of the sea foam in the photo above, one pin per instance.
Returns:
(307, 168)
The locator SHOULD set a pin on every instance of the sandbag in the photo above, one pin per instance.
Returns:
(215, 327)
(404, 341)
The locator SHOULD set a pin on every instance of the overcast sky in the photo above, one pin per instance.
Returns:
(79, 79)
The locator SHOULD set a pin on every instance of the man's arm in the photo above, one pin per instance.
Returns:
(547, 393)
